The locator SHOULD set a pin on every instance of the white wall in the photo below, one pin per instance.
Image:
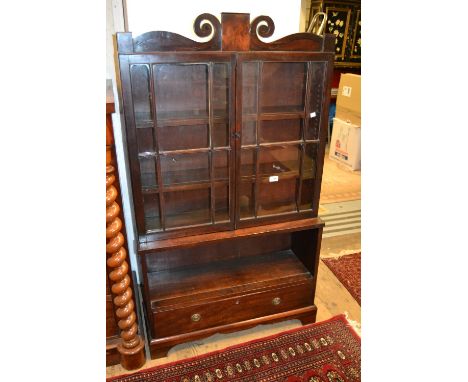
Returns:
(110, 30)
(178, 16)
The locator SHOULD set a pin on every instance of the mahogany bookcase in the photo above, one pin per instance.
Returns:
(226, 142)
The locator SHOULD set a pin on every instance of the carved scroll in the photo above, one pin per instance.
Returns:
(232, 34)
(263, 26)
(131, 348)
(160, 41)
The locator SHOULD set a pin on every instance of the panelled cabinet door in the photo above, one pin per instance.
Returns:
(178, 116)
(281, 119)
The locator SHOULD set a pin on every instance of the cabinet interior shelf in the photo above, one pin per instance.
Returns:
(282, 143)
(192, 218)
(272, 116)
(185, 186)
(236, 275)
(146, 247)
(189, 119)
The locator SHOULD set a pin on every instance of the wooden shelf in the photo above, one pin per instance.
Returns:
(198, 217)
(276, 209)
(183, 186)
(279, 143)
(191, 241)
(272, 116)
(238, 275)
(190, 117)
(186, 219)
(183, 118)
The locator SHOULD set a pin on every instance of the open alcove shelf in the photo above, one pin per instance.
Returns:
(195, 284)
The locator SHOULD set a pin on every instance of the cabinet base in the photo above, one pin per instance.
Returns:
(134, 358)
(160, 347)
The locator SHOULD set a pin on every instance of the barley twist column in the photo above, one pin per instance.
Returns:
(132, 346)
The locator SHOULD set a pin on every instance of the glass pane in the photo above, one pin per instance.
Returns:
(220, 135)
(282, 160)
(184, 168)
(183, 137)
(307, 194)
(139, 75)
(277, 196)
(249, 87)
(308, 176)
(316, 99)
(220, 165)
(283, 87)
(148, 172)
(221, 203)
(310, 157)
(249, 133)
(246, 199)
(181, 91)
(151, 208)
(247, 162)
(280, 130)
(187, 207)
(145, 140)
(221, 77)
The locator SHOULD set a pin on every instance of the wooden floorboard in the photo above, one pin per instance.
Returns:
(338, 183)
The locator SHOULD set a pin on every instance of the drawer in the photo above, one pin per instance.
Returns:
(232, 309)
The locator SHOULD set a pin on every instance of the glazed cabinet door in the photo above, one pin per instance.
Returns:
(179, 115)
(282, 112)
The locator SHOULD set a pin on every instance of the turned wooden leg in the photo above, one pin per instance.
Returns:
(132, 346)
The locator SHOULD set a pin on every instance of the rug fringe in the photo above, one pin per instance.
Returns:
(344, 252)
(354, 324)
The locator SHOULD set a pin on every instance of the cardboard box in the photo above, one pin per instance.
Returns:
(345, 144)
(348, 100)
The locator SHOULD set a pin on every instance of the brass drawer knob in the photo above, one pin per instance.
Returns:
(195, 317)
(276, 301)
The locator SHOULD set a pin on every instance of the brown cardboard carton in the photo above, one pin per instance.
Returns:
(348, 100)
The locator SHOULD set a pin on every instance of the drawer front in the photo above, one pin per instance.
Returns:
(230, 310)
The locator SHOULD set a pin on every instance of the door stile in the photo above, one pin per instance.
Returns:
(162, 212)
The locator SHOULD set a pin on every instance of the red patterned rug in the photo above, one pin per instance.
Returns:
(347, 269)
(328, 351)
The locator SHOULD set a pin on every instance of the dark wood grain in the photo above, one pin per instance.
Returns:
(236, 275)
(159, 41)
(225, 141)
(235, 28)
(207, 253)
(297, 41)
(190, 241)
(160, 346)
(232, 309)
(112, 354)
